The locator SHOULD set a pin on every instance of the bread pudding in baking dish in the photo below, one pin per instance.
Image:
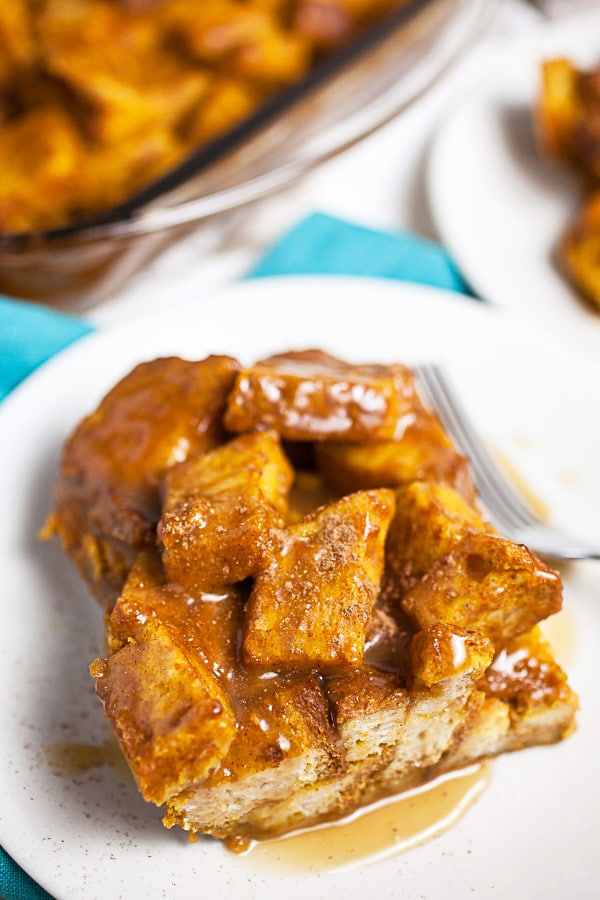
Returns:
(306, 608)
(100, 98)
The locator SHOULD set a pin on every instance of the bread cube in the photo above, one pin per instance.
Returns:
(448, 565)
(172, 717)
(311, 605)
(112, 467)
(208, 625)
(440, 651)
(309, 395)
(431, 521)
(579, 250)
(557, 110)
(370, 708)
(525, 680)
(227, 102)
(567, 116)
(222, 510)
(118, 67)
(42, 170)
(421, 452)
(284, 742)
(490, 584)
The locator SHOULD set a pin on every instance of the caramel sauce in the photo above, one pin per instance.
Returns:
(71, 758)
(513, 474)
(560, 632)
(307, 493)
(378, 832)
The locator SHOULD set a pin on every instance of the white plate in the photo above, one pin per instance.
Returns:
(531, 834)
(498, 204)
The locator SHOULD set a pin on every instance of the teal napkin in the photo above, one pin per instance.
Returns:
(322, 245)
(319, 245)
(29, 335)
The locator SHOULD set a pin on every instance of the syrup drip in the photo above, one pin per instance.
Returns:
(559, 630)
(70, 758)
(378, 832)
(537, 504)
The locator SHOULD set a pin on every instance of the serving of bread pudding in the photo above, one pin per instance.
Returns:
(306, 608)
(568, 124)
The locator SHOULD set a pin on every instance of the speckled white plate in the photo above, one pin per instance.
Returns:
(500, 206)
(534, 831)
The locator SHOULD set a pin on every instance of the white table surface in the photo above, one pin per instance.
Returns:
(378, 183)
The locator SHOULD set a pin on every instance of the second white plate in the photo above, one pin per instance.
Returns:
(499, 206)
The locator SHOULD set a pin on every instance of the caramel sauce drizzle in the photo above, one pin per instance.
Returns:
(375, 833)
(68, 758)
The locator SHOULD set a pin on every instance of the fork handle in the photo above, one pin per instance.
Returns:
(555, 544)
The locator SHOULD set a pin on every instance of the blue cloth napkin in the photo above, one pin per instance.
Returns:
(29, 335)
(320, 244)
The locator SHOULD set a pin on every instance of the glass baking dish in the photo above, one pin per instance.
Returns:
(341, 102)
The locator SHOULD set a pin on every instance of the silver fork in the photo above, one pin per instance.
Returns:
(507, 509)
